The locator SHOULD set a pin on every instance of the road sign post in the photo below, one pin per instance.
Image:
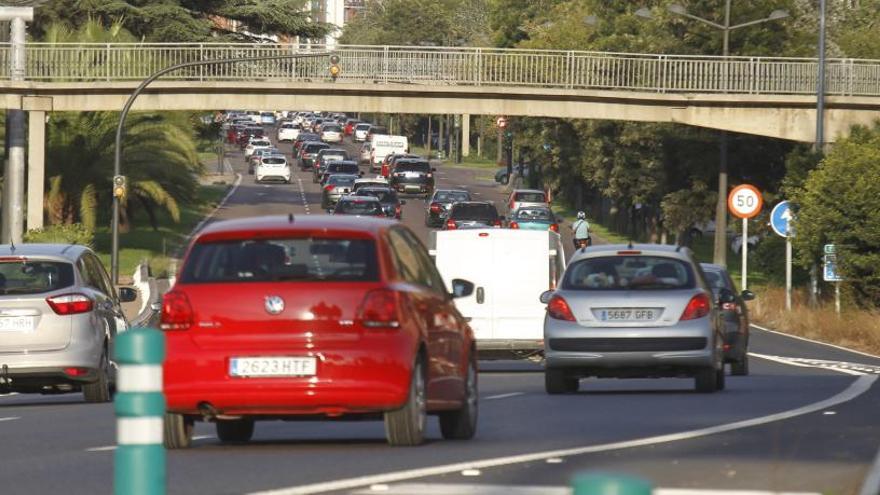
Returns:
(745, 202)
(139, 467)
(829, 273)
(603, 484)
(780, 222)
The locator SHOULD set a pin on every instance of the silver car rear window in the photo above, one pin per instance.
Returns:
(629, 272)
(295, 260)
(33, 276)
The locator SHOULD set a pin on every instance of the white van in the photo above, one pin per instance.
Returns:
(510, 269)
(384, 145)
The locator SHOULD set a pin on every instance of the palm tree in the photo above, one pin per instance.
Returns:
(159, 153)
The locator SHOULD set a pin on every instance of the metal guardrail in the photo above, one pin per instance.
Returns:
(72, 62)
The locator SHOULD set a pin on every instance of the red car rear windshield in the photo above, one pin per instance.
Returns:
(269, 260)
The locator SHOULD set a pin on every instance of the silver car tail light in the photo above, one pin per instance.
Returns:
(70, 304)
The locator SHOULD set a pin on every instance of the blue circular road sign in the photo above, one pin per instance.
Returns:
(781, 217)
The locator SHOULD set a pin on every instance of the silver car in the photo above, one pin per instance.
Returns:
(337, 186)
(632, 312)
(59, 316)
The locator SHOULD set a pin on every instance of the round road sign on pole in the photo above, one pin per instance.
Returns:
(745, 201)
(501, 122)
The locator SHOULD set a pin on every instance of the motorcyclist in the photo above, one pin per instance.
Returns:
(581, 230)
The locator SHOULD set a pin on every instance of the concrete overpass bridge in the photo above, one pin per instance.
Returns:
(756, 95)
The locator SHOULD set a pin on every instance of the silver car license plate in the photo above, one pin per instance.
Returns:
(628, 314)
(272, 366)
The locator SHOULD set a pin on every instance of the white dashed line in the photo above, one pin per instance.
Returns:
(106, 448)
(504, 396)
(10, 418)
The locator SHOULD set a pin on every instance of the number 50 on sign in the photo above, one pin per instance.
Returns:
(745, 201)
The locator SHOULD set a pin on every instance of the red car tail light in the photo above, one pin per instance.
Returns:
(497, 222)
(177, 313)
(76, 371)
(698, 307)
(514, 225)
(554, 227)
(70, 304)
(329, 187)
(450, 224)
(559, 309)
(436, 208)
(380, 309)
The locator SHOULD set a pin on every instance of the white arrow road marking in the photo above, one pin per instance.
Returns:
(858, 387)
(470, 489)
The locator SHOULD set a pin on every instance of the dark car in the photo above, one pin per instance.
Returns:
(309, 153)
(735, 316)
(325, 156)
(472, 215)
(440, 203)
(247, 133)
(391, 204)
(368, 206)
(304, 137)
(412, 176)
(338, 167)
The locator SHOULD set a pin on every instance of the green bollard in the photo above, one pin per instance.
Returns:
(605, 484)
(139, 464)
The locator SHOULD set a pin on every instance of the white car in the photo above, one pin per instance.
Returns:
(288, 132)
(331, 133)
(360, 132)
(255, 145)
(369, 182)
(273, 167)
(366, 153)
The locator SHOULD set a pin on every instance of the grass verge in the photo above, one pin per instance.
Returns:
(854, 328)
(472, 161)
(159, 246)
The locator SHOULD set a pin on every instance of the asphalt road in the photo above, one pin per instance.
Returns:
(804, 421)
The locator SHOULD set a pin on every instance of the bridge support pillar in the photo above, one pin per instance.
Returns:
(36, 168)
(465, 134)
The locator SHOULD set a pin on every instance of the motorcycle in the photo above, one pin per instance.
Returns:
(583, 243)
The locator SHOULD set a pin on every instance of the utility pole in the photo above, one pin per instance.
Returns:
(13, 184)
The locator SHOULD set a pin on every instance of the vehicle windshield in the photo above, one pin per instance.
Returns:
(270, 260)
(272, 160)
(327, 157)
(530, 197)
(362, 127)
(384, 195)
(480, 212)
(34, 277)
(342, 180)
(412, 167)
(261, 143)
(534, 214)
(629, 273)
(332, 128)
(452, 196)
(346, 168)
(359, 208)
(716, 280)
(314, 147)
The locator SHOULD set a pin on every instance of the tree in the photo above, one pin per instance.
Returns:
(686, 207)
(838, 205)
(184, 20)
(420, 22)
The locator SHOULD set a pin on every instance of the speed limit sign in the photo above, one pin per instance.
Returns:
(745, 201)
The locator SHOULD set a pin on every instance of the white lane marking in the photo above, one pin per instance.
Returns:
(477, 193)
(855, 389)
(10, 418)
(472, 489)
(840, 366)
(203, 437)
(826, 344)
(504, 396)
(302, 195)
(220, 205)
(105, 448)
(471, 472)
(554, 460)
(10, 394)
(871, 484)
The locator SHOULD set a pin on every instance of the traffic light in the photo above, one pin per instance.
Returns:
(334, 66)
(119, 186)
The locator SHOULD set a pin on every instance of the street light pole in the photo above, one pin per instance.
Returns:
(720, 247)
(117, 152)
(820, 82)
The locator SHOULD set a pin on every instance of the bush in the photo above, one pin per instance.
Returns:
(64, 233)
(769, 258)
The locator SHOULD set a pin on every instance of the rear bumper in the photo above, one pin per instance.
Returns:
(371, 377)
(508, 348)
(268, 176)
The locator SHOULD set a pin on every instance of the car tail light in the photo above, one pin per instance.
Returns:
(450, 224)
(554, 227)
(379, 309)
(698, 307)
(436, 208)
(559, 309)
(70, 304)
(177, 313)
(76, 371)
(329, 187)
(497, 222)
(728, 306)
(514, 225)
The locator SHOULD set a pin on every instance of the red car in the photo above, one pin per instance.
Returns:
(331, 317)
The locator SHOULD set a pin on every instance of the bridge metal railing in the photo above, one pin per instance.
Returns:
(71, 62)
